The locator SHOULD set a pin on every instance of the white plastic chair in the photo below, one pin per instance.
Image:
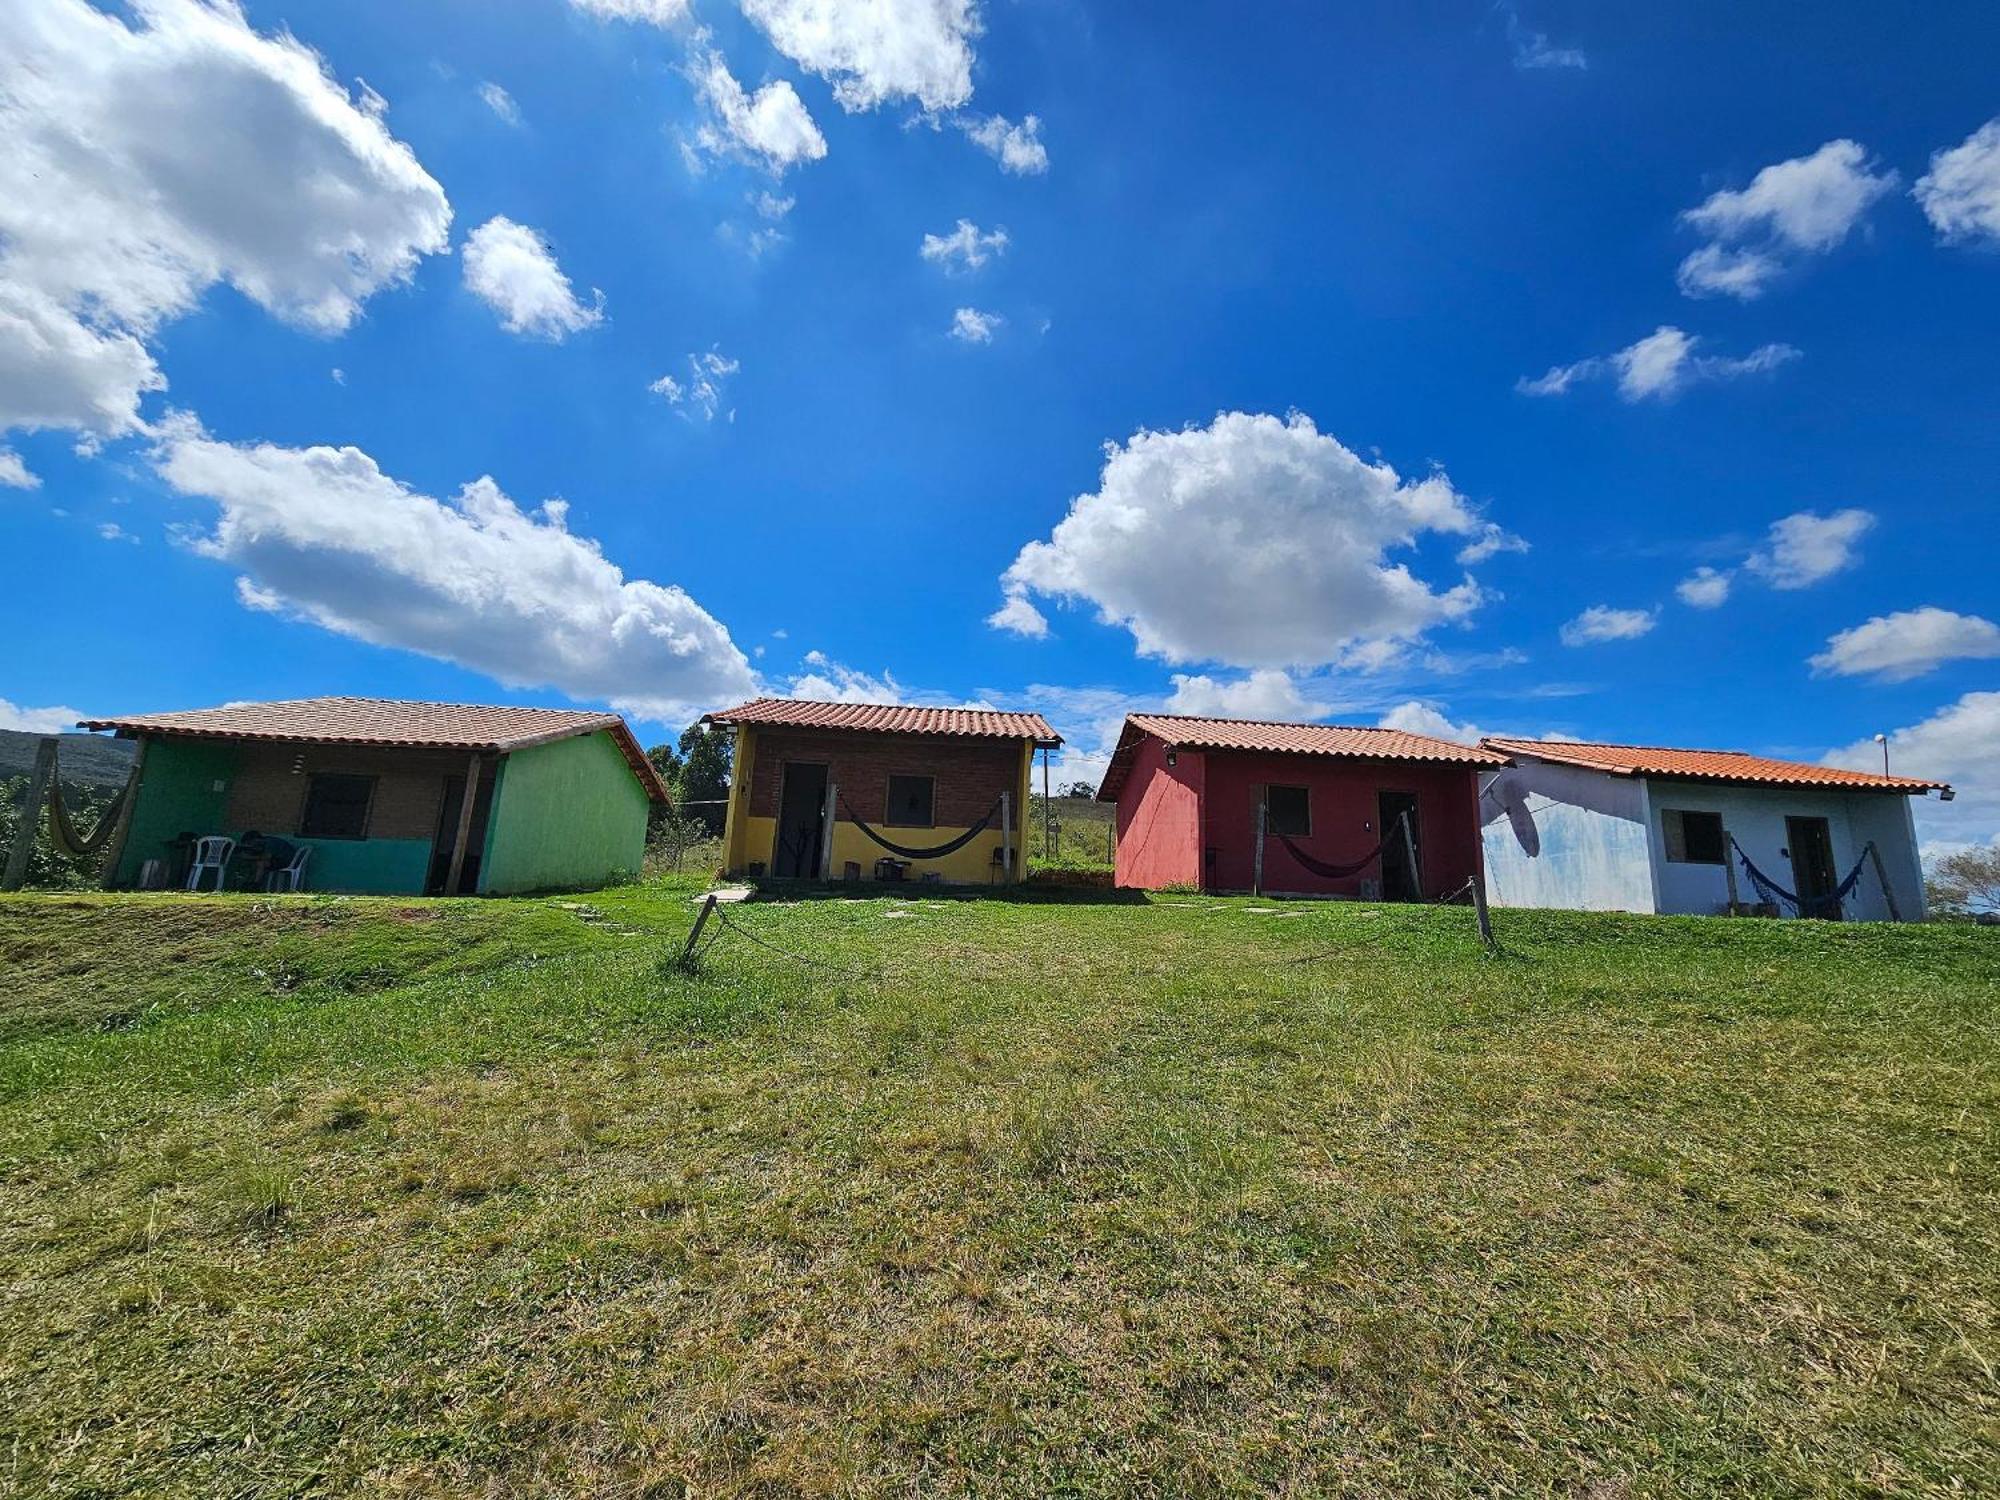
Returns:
(211, 853)
(290, 876)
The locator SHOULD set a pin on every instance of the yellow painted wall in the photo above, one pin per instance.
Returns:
(750, 839)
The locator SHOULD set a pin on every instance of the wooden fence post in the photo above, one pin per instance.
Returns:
(16, 873)
(1257, 857)
(463, 835)
(700, 921)
(1888, 895)
(1729, 871)
(1007, 837)
(826, 834)
(1480, 913)
(114, 852)
(1410, 849)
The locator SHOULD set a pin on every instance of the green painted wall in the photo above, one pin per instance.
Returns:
(367, 867)
(178, 793)
(565, 816)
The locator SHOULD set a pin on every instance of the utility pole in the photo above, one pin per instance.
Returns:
(1883, 741)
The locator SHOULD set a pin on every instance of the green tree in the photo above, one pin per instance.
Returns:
(703, 785)
(1965, 884)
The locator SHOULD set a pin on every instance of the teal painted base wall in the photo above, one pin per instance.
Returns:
(368, 867)
(566, 816)
(183, 788)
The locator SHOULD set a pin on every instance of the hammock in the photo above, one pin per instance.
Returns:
(63, 831)
(1769, 889)
(938, 851)
(1326, 871)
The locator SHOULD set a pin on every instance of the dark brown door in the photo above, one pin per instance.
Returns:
(1402, 874)
(801, 809)
(447, 831)
(1813, 877)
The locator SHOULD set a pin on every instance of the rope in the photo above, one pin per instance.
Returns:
(1776, 894)
(724, 918)
(940, 851)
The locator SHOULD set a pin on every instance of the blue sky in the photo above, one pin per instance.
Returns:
(1400, 360)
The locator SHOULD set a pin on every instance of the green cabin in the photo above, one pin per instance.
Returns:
(384, 797)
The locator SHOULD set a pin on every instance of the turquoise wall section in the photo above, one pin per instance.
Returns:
(367, 867)
(178, 793)
(565, 816)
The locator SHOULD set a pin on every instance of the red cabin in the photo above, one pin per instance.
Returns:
(1373, 814)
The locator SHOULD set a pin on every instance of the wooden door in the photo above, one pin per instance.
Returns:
(1813, 875)
(801, 809)
(1402, 873)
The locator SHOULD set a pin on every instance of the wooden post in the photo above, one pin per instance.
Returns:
(1257, 854)
(30, 823)
(114, 852)
(1048, 851)
(1888, 895)
(1480, 913)
(1410, 848)
(464, 834)
(1729, 871)
(826, 832)
(1007, 836)
(700, 921)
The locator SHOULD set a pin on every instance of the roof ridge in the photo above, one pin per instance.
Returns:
(1515, 739)
(1147, 713)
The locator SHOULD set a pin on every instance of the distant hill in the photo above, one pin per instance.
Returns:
(85, 759)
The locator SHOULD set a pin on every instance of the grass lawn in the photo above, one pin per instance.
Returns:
(1062, 1197)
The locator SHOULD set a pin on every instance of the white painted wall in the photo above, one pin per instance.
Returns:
(1564, 837)
(1755, 817)
(1583, 840)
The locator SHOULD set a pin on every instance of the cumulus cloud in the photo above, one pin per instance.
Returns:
(1017, 614)
(1960, 194)
(1960, 743)
(15, 474)
(1018, 148)
(323, 534)
(829, 681)
(52, 720)
(971, 326)
(511, 268)
(500, 102)
(654, 12)
(1490, 543)
(146, 163)
(1266, 693)
(1603, 623)
(111, 531)
(771, 126)
(1417, 717)
(877, 51)
(1658, 366)
(704, 390)
(1908, 644)
(1705, 587)
(1805, 547)
(1254, 541)
(1805, 206)
(966, 248)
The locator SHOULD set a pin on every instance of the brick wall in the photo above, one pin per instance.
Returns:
(970, 774)
(266, 795)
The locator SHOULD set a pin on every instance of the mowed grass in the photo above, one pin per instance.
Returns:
(1049, 1197)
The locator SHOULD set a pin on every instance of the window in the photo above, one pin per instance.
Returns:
(337, 806)
(1287, 810)
(1694, 838)
(910, 801)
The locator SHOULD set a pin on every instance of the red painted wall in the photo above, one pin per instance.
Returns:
(1159, 820)
(1344, 819)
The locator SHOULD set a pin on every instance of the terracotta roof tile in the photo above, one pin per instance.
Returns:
(393, 722)
(1345, 740)
(1704, 765)
(887, 718)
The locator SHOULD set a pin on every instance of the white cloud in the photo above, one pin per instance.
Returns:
(339, 375)
(706, 386)
(1805, 206)
(15, 474)
(510, 267)
(324, 534)
(1603, 623)
(875, 51)
(1705, 587)
(1908, 644)
(829, 681)
(52, 720)
(1018, 615)
(771, 126)
(143, 166)
(500, 102)
(1960, 194)
(1426, 718)
(971, 326)
(966, 248)
(1658, 366)
(655, 12)
(1805, 547)
(1266, 693)
(111, 531)
(1018, 148)
(1490, 543)
(1254, 541)
(1960, 743)
(1533, 51)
